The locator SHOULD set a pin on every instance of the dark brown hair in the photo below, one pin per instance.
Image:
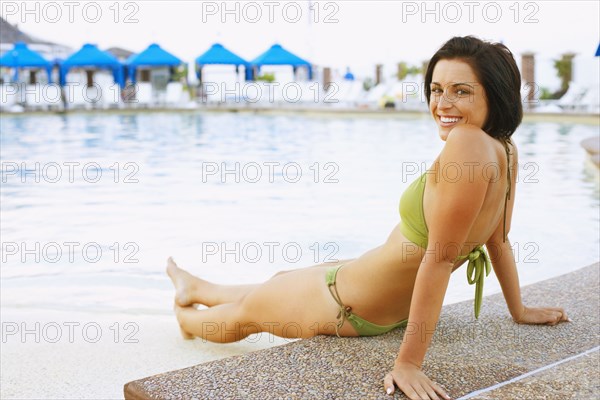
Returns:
(496, 69)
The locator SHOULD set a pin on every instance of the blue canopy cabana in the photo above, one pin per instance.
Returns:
(153, 56)
(277, 55)
(23, 57)
(90, 56)
(217, 54)
(349, 76)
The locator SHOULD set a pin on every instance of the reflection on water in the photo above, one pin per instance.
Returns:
(133, 189)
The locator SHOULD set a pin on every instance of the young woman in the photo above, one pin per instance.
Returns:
(465, 200)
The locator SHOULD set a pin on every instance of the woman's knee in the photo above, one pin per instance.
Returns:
(247, 309)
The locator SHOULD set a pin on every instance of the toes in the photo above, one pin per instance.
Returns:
(172, 268)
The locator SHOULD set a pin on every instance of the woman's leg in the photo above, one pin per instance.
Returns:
(190, 289)
(296, 304)
(193, 290)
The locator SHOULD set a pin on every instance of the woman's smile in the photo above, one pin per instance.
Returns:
(448, 120)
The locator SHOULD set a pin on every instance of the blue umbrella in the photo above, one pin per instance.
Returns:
(153, 56)
(90, 56)
(23, 57)
(349, 76)
(277, 55)
(217, 54)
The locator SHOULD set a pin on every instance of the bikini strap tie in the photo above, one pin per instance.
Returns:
(478, 268)
(344, 312)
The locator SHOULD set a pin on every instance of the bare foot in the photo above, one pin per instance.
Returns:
(184, 283)
(184, 334)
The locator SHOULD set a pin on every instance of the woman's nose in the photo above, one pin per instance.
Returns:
(443, 101)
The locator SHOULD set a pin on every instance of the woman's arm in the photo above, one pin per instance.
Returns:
(426, 304)
(505, 269)
(458, 201)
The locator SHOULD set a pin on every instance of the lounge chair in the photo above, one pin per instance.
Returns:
(311, 94)
(374, 96)
(143, 95)
(110, 92)
(267, 94)
(9, 95)
(571, 100)
(74, 96)
(36, 97)
(590, 102)
(174, 95)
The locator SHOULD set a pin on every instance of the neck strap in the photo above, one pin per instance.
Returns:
(508, 188)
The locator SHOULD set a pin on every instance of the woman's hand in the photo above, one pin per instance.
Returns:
(413, 382)
(544, 315)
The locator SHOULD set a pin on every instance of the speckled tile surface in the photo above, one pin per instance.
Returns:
(578, 379)
(465, 355)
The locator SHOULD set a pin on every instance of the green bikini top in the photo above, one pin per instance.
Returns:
(414, 228)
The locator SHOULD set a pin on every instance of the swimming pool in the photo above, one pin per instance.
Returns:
(93, 204)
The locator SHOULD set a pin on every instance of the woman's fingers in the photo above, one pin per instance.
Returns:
(420, 392)
(425, 390)
(558, 316)
(563, 314)
(412, 394)
(421, 388)
(388, 384)
(547, 315)
(431, 392)
(409, 390)
(439, 390)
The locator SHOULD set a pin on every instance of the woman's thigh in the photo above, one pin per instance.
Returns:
(295, 304)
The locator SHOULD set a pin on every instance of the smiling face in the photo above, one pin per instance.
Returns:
(457, 97)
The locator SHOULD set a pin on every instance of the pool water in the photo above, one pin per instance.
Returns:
(92, 205)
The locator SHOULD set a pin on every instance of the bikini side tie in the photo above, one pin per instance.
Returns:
(345, 311)
(479, 262)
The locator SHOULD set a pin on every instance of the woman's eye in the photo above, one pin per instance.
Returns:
(436, 90)
(462, 92)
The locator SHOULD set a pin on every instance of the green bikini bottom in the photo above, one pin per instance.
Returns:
(362, 326)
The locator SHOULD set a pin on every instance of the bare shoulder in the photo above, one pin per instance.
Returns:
(469, 146)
